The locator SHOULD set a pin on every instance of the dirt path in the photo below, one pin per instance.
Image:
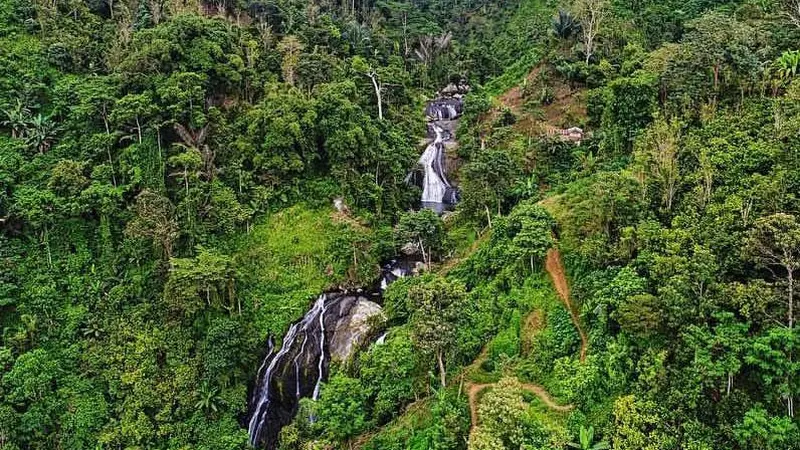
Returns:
(535, 389)
(533, 323)
(555, 268)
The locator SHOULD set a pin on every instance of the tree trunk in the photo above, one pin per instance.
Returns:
(108, 148)
(46, 240)
(790, 279)
(790, 398)
(372, 76)
(424, 256)
(442, 372)
(405, 35)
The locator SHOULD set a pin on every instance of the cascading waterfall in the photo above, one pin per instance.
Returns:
(338, 321)
(274, 362)
(301, 363)
(437, 192)
(434, 184)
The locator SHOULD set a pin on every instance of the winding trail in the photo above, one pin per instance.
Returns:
(555, 268)
(533, 323)
(535, 389)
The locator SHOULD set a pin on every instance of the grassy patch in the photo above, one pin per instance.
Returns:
(292, 257)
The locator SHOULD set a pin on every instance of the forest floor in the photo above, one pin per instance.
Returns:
(555, 268)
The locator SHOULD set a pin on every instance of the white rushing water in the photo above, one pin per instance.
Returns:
(257, 421)
(434, 184)
(315, 396)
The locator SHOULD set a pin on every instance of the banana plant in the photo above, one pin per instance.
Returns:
(586, 438)
(788, 65)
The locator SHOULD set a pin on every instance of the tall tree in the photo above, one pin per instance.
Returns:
(774, 242)
(591, 13)
(291, 47)
(657, 152)
(439, 307)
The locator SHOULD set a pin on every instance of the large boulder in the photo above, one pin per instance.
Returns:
(353, 329)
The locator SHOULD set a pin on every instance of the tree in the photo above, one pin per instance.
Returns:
(291, 47)
(719, 352)
(774, 242)
(759, 430)
(155, 220)
(431, 48)
(340, 412)
(501, 412)
(791, 10)
(438, 306)
(487, 182)
(209, 279)
(591, 14)
(657, 153)
(423, 229)
(132, 110)
(361, 66)
(532, 229)
(718, 51)
(636, 425)
(564, 25)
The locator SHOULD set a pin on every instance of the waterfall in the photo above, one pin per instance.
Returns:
(434, 183)
(315, 395)
(338, 322)
(436, 188)
(263, 395)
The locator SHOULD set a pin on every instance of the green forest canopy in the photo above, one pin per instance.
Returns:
(166, 174)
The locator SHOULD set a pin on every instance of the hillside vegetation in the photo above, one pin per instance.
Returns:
(167, 175)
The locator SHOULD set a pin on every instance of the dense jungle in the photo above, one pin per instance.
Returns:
(399, 224)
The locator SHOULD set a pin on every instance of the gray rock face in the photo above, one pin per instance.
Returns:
(353, 329)
(335, 327)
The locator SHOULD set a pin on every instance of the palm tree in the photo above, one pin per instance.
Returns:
(565, 25)
(195, 139)
(359, 36)
(586, 438)
(430, 47)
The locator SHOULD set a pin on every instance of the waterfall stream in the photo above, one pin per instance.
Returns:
(339, 322)
(437, 192)
(336, 325)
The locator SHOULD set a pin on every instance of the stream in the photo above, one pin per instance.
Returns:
(339, 323)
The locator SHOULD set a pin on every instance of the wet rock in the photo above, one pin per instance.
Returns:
(450, 89)
(352, 330)
(410, 248)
